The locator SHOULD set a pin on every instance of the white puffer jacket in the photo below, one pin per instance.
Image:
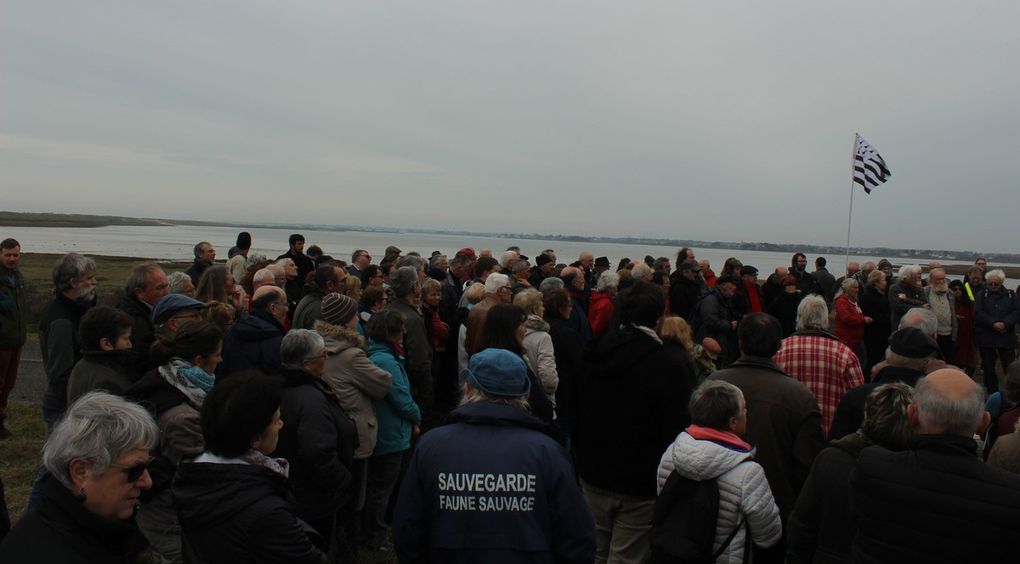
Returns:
(539, 353)
(743, 490)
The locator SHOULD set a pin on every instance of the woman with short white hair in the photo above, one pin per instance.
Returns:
(98, 460)
(850, 318)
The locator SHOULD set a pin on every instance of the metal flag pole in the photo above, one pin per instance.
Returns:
(849, 220)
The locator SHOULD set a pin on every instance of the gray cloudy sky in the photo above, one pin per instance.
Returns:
(702, 120)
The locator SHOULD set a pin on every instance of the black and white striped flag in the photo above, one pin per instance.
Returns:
(869, 167)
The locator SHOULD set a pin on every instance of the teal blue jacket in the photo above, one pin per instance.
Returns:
(397, 413)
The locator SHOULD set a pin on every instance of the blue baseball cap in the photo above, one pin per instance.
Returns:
(498, 373)
(170, 304)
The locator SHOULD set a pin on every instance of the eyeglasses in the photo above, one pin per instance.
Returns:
(284, 305)
(134, 473)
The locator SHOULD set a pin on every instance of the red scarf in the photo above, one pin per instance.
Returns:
(752, 297)
(715, 435)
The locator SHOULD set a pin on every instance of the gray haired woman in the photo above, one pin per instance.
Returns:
(98, 460)
(318, 438)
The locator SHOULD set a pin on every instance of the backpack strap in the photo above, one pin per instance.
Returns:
(729, 540)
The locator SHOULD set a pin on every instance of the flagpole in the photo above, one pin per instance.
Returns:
(849, 219)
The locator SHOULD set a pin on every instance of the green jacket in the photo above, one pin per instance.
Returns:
(13, 311)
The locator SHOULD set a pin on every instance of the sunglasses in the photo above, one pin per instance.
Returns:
(134, 473)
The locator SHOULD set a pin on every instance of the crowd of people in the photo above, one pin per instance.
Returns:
(487, 408)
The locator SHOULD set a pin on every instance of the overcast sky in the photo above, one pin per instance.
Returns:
(700, 120)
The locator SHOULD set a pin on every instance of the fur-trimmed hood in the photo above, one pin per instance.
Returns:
(339, 338)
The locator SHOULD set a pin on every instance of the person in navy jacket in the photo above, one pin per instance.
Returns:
(492, 485)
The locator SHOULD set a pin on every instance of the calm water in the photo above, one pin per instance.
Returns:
(175, 243)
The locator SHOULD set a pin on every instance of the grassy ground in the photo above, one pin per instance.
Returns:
(21, 454)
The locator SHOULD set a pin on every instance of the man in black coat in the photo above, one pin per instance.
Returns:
(205, 255)
(717, 317)
(630, 406)
(685, 289)
(937, 502)
(145, 285)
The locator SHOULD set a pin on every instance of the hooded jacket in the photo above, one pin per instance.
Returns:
(743, 489)
(491, 486)
(541, 357)
(240, 513)
(252, 342)
(630, 405)
(355, 380)
(397, 411)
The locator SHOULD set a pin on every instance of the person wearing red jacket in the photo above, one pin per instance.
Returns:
(850, 320)
(601, 307)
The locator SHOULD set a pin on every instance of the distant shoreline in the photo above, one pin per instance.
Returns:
(56, 220)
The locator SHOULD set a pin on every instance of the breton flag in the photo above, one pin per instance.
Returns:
(869, 167)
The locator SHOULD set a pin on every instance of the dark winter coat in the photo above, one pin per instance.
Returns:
(305, 265)
(825, 282)
(822, 526)
(61, 347)
(319, 440)
(567, 347)
(518, 462)
(716, 314)
(990, 307)
(783, 422)
(240, 513)
(196, 269)
(630, 406)
(61, 530)
(784, 308)
(252, 342)
(683, 294)
(419, 353)
(13, 311)
(875, 305)
(142, 332)
(913, 296)
(937, 502)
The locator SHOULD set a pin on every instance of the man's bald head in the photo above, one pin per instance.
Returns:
(948, 402)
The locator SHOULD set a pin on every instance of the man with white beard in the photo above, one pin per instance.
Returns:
(74, 284)
(943, 304)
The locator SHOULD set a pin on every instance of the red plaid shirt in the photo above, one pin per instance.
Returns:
(825, 365)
